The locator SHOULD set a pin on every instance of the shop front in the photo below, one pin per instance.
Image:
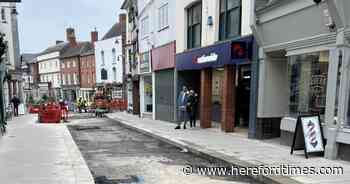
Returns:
(163, 65)
(304, 72)
(146, 88)
(220, 74)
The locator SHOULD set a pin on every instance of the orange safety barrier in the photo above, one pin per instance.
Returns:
(34, 109)
(50, 113)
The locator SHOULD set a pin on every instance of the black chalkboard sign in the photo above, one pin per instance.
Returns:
(311, 129)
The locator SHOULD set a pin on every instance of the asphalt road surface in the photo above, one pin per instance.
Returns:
(117, 155)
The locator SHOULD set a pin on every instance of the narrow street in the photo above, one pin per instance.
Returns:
(117, 155)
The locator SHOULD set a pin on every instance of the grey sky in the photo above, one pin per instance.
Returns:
(42, 22)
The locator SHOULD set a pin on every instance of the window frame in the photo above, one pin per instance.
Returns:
(224, 22)
(114, 56)
(163, 16)
(145, 27)
(102, 57)
(191, 26)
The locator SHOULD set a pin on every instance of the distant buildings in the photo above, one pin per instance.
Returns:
(70, 66)
(88, 70)
(49, 69)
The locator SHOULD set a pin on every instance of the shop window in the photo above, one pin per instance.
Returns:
(308, 83)
(104, 74)
(230, 19)
(194, 26)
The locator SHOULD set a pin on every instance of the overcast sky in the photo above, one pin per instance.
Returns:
(42, 22)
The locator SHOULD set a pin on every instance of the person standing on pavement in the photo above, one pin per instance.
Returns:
(182, 102)
(189, 107)
(193, 102)
(15, 101)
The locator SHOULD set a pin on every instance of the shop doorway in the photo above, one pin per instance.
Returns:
(242, 96)
(241, 99)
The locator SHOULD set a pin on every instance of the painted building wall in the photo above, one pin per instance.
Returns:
(210, 34)
(49, 69)
(110, 61)
(9, 26)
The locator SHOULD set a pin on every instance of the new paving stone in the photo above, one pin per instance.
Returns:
(33, 153)
(236, 148)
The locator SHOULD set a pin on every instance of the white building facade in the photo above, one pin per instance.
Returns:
(109, 61)
(49, 68)
(9, 27)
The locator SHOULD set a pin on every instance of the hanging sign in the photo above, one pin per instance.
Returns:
(312, 132)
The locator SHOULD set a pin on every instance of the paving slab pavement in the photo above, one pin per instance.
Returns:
(237, 149)
(33, 153)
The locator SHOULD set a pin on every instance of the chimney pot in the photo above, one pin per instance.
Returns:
(94, 36)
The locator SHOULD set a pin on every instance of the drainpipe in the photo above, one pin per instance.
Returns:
(254, 85)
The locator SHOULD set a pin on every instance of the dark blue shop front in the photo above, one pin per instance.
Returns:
(220, 74)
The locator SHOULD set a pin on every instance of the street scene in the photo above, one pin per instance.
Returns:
(170, 92)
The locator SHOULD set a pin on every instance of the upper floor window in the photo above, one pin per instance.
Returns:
(104, 74)
(194, 26)
(74, 64)
(114, 74)
(103, 57)
(114, 56)
(163, 16)
(144, 27)
(230, 19)
(3, 15)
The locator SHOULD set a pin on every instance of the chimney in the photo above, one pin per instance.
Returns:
(58, 42)
(94, 36)
(122, 17)
(71, 37)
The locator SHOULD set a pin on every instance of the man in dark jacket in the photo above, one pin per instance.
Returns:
(182, 102)
(192, 107)
(15, 101)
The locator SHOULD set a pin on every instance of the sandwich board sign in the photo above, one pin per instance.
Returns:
(313, 135)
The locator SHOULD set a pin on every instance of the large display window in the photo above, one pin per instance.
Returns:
(308, 83)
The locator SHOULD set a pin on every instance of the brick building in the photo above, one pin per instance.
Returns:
(88, 70)
(70, 66)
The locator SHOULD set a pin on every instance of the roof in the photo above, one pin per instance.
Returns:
(28, 58)
(89, 50)
(56, 48)
(115, 31)
(76, 51)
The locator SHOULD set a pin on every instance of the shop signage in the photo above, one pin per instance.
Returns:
(311, 129)
(239, 50)
(212, 57)
(218, 55)
(163, 57)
